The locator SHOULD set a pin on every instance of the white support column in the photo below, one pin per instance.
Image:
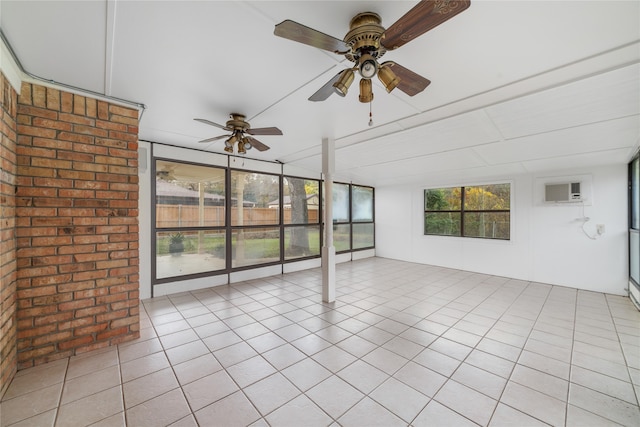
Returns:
(328, 250)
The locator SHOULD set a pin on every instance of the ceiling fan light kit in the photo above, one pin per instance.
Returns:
(238, 126)
(366, 42)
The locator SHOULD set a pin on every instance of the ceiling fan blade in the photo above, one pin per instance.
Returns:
(325, 91)
(264, 131)
(302, 34)
(257, 144)
(423, 17)
(215, 138)
(209, 122)
(410, 82)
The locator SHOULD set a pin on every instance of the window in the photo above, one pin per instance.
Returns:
(634, 221)
(301, 216)
(190, 219)
(362, 228)
(212, 219)
(481, 211)
(353, 217)
(341, 224)
(251, 196)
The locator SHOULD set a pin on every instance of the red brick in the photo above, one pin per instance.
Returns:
(76, 305)
(70, 119)
(51, 338)
(91, 329)
(66, 345)
(51, 124)
(91, 311)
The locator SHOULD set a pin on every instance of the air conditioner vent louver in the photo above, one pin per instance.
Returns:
(565, 192)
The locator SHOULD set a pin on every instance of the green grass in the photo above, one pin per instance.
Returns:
(258, 248)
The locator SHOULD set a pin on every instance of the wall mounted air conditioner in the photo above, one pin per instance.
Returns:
(565, 192)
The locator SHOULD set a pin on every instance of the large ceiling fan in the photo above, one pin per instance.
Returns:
(238, 126)
(367, 40)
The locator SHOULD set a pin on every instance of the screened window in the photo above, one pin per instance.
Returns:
(353, 217)
(252, 196)
(211, 220)
(190, 219)
(362, 228)
(301, 216)
(481, 211)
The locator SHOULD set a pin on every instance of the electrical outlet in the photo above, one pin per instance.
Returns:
(600, 228)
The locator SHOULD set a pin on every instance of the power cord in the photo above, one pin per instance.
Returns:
(584, 220)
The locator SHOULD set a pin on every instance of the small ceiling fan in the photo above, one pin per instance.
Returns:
(238, 126)
(367, 40)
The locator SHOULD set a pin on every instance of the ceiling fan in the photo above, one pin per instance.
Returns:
(238, 126)
(367, 40)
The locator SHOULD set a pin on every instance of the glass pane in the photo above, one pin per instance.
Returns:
(634, 255)
(340, 202)
(189, 195)
(487, 197)
(191, 252)
(341, 237)
(635, 194)
(362, 203)
(255, 246)
(442, 223)
(301, 241)
(491, 225)
(259, 194)
(301, 201)
(442, 199)
(362, 236)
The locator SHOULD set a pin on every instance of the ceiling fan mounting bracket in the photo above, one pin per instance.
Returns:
(365, 30)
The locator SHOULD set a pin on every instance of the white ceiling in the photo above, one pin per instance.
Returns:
(517, 86)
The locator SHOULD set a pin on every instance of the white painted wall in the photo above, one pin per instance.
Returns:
(547, 242)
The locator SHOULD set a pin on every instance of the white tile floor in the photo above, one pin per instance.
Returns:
(404, 344)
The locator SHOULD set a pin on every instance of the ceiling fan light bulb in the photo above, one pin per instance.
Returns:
(368, 66)
(388, 78)
(246, 143)
(366, 92)
(341, 87)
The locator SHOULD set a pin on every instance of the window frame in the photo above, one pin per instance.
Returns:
(633, 214)
(287, 227)
(462, 211)
(155, 280)
(228, 229)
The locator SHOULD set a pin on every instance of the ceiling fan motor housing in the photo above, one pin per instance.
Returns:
(238, 123)
(365, 30)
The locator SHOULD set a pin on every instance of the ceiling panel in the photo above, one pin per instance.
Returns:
(578, 161)
(446, 135)
(603, 97)
(596, 137)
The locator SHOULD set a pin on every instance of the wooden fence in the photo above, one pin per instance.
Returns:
(213, 216)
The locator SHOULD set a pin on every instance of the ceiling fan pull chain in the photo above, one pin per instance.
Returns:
(370, 114)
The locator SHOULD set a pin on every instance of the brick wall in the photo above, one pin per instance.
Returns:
(8, 171)
(77, 224)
